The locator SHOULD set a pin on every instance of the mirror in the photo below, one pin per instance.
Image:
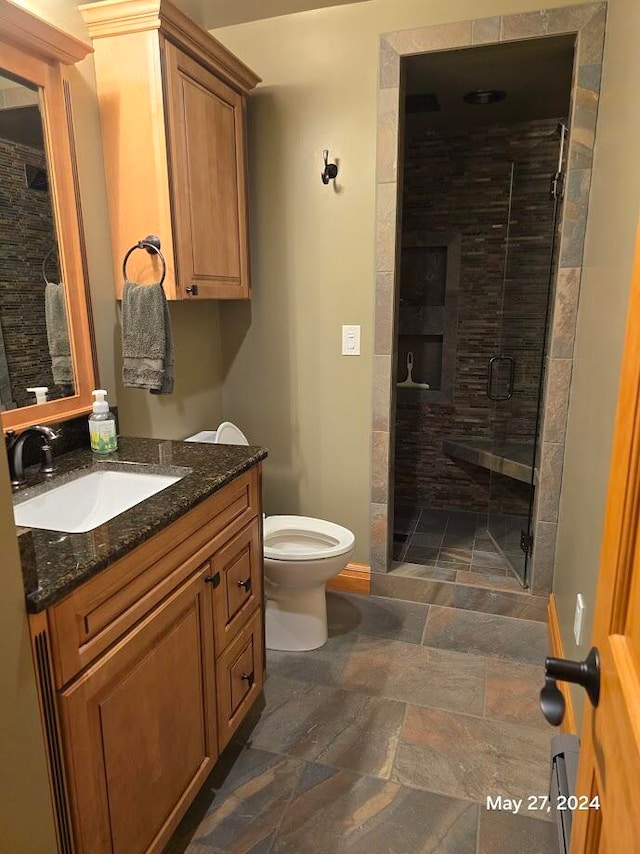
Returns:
(46, 339)
(36, 363)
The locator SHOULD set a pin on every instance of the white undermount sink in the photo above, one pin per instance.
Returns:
(80, 505)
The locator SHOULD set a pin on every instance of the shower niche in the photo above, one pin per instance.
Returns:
(428, 316)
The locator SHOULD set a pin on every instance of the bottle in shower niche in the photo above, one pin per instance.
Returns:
(102, 425)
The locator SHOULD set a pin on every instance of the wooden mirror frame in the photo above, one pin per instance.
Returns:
(36, 51)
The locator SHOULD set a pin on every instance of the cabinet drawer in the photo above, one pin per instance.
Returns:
(99, 612)
(239, 564)
(239, 677)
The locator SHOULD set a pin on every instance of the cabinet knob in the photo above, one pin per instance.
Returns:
(192, 290)
(213, 579)
(246, 584)
(248, 678)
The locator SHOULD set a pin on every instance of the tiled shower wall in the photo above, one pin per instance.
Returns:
(459, 183)
(27, 234)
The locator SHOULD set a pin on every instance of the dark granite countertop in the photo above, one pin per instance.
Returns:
(55, 563)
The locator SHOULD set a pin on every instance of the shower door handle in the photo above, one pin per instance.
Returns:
(512, 368)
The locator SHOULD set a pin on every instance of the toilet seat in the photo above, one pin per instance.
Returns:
(228, 434)
(303, 538)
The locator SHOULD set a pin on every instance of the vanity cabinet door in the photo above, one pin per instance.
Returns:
(139, 727)
(206, 137)
(237, 567)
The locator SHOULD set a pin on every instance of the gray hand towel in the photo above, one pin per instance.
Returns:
(147, 344)
(55, 312)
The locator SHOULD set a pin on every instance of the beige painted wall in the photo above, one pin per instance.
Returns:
(312, 249)
(197, 401)
(26, 816)
(610, 239)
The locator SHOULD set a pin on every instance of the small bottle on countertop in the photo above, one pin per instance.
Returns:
(40, 392)
(102, 425)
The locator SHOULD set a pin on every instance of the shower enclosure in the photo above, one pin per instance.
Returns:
(480, 216)
(515, 371)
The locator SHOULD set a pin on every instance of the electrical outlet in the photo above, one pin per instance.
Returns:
(350, 340)
(578, 618)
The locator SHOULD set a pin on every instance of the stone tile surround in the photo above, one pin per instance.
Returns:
(588, 23)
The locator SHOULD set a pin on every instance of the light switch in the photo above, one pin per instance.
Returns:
(351, 340)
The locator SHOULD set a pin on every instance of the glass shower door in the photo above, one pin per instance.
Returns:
(515, 374)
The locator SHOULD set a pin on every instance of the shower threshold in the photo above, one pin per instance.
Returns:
(512, 459)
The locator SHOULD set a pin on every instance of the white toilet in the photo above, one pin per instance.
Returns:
(300, 555)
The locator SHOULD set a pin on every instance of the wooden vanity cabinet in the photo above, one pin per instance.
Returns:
(139, 727)
(150, 668)
(172, 111)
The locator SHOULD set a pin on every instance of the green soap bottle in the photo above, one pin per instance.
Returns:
(102, 425)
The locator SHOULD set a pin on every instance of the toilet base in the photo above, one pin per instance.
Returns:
(296, 618)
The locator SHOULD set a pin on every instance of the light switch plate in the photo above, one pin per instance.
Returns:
(578, 618)
(351, 340)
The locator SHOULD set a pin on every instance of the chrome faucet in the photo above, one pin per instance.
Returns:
(15, 448)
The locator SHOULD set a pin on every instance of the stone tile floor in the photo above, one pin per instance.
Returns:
(388, 739)
(449, 545)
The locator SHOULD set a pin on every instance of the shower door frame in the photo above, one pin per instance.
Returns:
(587, 23)
(525, 534)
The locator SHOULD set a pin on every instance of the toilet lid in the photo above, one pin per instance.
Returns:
(228, 434)
(304, 538)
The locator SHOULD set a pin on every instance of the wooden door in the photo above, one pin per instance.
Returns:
(609, 766)
(139, 727)
(206, 131)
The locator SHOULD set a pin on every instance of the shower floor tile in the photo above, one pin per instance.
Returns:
(450, 539)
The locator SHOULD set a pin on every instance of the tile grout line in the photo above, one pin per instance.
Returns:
(534, 814)
(398, 740)
(367, 776)
(484, 660)
(294, 788)
(475, 587)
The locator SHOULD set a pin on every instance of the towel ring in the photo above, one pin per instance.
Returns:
(44, 264)
(150, 244)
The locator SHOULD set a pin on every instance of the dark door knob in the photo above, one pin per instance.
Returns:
(585, 673)
(246, 584)
(192, 290)
(552, 702)
(213, 579)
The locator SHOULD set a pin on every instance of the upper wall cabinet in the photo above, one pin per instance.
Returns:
(172, 108)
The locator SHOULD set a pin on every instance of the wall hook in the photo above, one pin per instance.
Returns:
(330, 169)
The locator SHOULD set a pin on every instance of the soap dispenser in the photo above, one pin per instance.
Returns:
(102, 425)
